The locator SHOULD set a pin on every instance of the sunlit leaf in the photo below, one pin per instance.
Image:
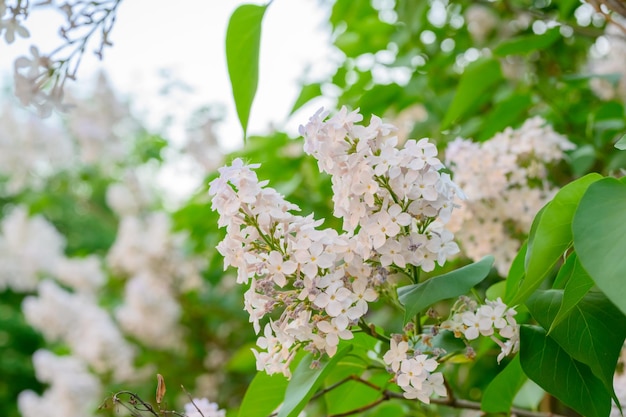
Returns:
(307, 93)
(572, 382)
(418, 297)
(305, 381)
(243, 43)
(264, 395)
(599, 230)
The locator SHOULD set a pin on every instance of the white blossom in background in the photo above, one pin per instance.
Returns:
(506, 182)
(481, 21)
(29, 248)
(150, 313)
(87, 329)
(83, 275)
(72, 390)
(30, 148)
(607, 58)
(101, 124)
(202, 407)
(147, 243)
(394, 204)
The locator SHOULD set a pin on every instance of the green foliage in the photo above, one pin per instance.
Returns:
(599, 230)
(417, 297)
(572, 382)
(550, 236)
(265, 393)
(243, 43)
(500, 393)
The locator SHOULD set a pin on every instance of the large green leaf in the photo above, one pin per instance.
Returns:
(264, 395)
(592, 333)
(500, 393)
(243, 43)
(516, 272)
(477, 79)
(418, 297)
(578, 284)
(528, 43)
(599, 230)
(572, 382)
(305, 381)
(551, 235)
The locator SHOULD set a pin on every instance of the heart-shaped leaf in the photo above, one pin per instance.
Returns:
(599, 229)
(572, 382)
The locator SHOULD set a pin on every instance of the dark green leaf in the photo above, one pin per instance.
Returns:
(592, 333)
(577, 286)
(243, 42)
(477, 79)
(307, 93)
(551, 235)
(418, 297)
(572, 382)
(599, 230)
(500, 393)
(305, 381)
(529, 43)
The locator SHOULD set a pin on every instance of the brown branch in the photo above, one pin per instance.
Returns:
(387, 395)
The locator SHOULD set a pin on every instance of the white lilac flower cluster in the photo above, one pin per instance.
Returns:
(414, 371)
(394, 203)
(469, 321)
(506, 182)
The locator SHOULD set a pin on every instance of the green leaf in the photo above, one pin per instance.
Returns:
(500, 393)
(516, 272)
(418, 297)
(305, 381)
(526, 44)
(264, 395)
(478, 78)
(307, 93)
(592, 333)
(599, 230)
(577, 286)
(551, 235)
(243, 43)
(621, 143)
(504, 114)
(572, 382)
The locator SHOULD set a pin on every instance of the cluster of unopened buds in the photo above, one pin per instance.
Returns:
(394, 203)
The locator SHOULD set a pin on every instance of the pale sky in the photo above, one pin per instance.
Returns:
(186, 38)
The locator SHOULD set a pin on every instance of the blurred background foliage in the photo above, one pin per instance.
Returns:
(435, 68)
